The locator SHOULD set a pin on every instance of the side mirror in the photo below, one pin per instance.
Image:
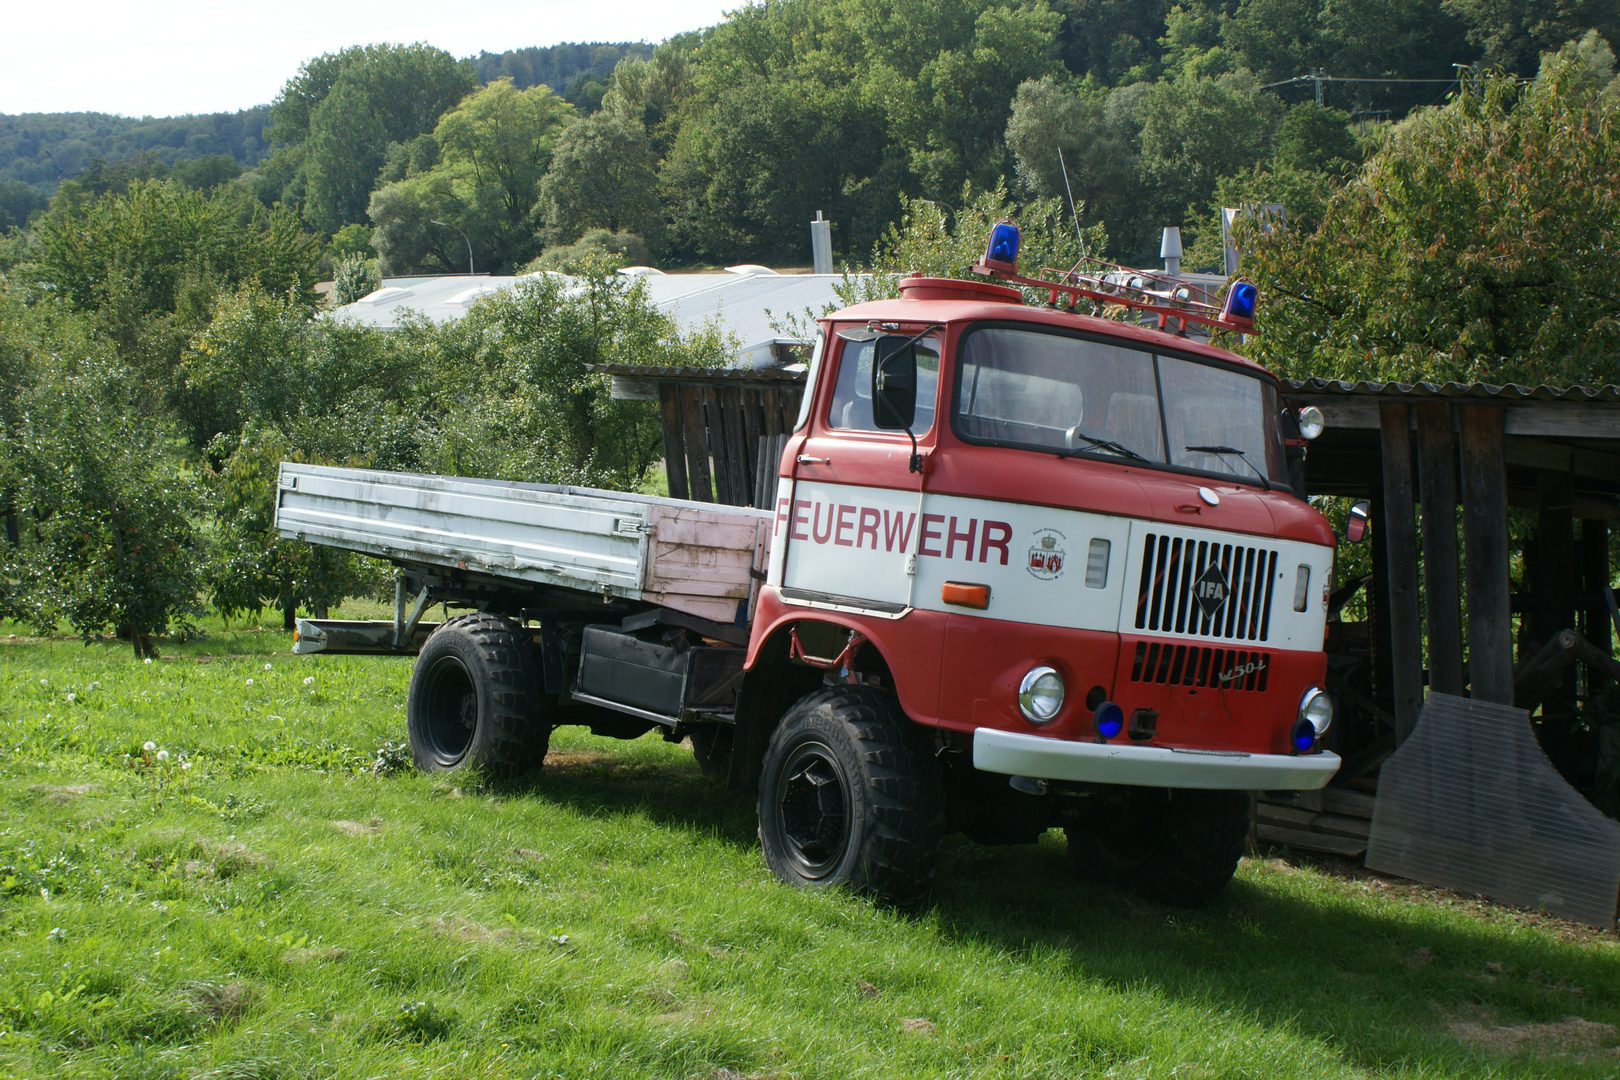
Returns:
(894, 383)
(1355, 523)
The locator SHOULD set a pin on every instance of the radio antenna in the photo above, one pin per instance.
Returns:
(1073, 209)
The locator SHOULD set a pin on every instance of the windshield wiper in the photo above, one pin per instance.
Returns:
(1232, 450)
(1101, 444)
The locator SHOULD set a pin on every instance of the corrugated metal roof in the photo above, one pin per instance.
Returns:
(1508, 392)
(649, 371)
(743, 305)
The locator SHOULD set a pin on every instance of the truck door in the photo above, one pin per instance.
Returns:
(856, 507)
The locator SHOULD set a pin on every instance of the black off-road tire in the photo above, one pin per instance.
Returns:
(1177, 847)
(850, 794)
(477, 700)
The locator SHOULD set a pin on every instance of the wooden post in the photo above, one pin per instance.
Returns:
(1485, 553)
(1442, 607)
(1555, 535)
(1594, 576)
(669, 411)
(1400, 588)
(697, 449)
(1383, 650)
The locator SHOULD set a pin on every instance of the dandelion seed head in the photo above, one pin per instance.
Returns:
(185, 764)
(73, 697)
(250, 682)
(267, 667)
(149, 746)
(148, 660)
(163, 755)
(309, 680)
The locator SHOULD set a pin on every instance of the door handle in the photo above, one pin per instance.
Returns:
(806, 459)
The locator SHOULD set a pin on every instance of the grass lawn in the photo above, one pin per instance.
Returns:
(277, 910)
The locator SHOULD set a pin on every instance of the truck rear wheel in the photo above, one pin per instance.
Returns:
(1177, 847)
(476, 699)
(850, 794)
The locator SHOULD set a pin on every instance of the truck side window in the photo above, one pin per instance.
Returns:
(852, 395)
(809, 392)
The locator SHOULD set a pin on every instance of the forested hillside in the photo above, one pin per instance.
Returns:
(161, 351)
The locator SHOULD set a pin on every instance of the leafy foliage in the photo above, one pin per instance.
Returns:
(1474, 246)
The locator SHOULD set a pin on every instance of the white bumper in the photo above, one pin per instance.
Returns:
(1148, 766)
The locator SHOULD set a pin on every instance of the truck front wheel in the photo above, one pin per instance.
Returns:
(850, 794)
(1177, 847)
(476, 699)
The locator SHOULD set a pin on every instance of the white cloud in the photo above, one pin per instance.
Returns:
(180, 56)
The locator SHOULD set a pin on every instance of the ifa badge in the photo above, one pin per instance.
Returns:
(1047, 555)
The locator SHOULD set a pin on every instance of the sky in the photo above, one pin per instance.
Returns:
(165, 57)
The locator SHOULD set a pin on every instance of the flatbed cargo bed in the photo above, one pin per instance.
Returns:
(697, 558)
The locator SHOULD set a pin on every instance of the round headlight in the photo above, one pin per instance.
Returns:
(1316, 707)
(1311, 422)
(1040, 695)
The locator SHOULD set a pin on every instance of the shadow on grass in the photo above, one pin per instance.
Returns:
(622, 777)
(1282, 946)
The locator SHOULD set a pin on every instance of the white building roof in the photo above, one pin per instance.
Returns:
(743, 301)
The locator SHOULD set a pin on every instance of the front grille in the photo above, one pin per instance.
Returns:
(1165, 600)
(1198, 665)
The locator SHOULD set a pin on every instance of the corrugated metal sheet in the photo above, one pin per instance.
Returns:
(1509, 392)
(702, 374)
(1469, 802)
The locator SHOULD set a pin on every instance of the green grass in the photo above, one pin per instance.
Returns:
(277, 910)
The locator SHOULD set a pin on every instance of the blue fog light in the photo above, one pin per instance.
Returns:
(1303, 736)
(1109, 720)
(1003, 246)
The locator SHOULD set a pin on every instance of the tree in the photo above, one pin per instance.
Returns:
(510, 394)
(1514, 33)
(333, 122)
(1475, 245)
(491, 152)
(1313, 139)
(1096, 154)
(603, 175)
(100, 515)
(251, 565)
(1196, 129)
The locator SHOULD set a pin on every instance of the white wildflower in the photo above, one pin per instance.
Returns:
(267, 667)
(163, 755)
(148, 660)
(250, 682)
(185, 764)
(73, 697)
(149, 746)
(309, 680)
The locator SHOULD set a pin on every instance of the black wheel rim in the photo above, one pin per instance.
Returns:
(450, 710)
(813, 809)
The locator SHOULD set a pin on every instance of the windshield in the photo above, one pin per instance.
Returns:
(1070, 395)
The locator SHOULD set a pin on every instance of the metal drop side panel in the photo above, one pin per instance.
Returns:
(691, 557)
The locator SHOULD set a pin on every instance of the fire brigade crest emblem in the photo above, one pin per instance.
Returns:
(1047, 555)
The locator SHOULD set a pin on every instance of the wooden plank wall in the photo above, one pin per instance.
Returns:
(722, 442)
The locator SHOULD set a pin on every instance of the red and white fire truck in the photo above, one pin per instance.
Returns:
(1027, 568)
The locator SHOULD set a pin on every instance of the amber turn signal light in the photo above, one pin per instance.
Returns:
(965, 594)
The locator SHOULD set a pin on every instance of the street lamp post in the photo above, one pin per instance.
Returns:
(447, 225)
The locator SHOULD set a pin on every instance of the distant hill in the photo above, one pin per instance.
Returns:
(577, 70)
(39, 149)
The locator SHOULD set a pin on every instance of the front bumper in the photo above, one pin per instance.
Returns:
(1148, 766)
